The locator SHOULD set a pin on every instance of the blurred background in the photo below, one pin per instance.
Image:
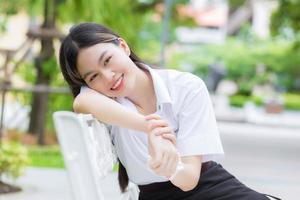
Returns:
(247, 52)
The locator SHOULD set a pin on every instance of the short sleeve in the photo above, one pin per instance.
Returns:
(198, 132)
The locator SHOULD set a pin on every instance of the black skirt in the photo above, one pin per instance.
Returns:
(215, 184)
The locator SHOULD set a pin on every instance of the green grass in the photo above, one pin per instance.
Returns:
(49, 156)
(291, 100)
(45, 156)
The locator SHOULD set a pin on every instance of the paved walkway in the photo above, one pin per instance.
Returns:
(264, 158)
(42, 184)
(52, 184)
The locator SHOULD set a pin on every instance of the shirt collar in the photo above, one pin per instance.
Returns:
(160, 88)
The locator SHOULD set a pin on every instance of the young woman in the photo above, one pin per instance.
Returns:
(161, 121)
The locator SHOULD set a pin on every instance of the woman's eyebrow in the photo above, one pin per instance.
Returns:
(102, 56)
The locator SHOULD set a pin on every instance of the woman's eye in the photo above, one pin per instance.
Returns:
(93, 77)
(107, 60)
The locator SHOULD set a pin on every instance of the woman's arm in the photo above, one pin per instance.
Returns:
(108, 111)
(188, 178)
(111, 112)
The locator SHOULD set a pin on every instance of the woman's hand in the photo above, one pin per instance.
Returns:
(161, 145)
(154, 121)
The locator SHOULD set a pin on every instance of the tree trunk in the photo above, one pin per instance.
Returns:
(39, 105)
(40, 100)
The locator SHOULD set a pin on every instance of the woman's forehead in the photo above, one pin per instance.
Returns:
(90, 56)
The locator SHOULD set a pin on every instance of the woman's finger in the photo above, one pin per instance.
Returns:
(162, 130)
(152, 116)
(171, 137)
(157, 123)
(154, 126)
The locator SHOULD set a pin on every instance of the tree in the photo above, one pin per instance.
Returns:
(122, 16)
(40, 100)
(287, 16)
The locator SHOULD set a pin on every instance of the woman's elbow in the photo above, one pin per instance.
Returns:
(188, 187)
(78, 104)
(191, 184)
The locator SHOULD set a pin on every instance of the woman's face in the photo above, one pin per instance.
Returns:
(107, 68)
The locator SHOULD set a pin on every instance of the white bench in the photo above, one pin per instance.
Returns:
(88, 154)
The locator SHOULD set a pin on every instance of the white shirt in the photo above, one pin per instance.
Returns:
(182, 100)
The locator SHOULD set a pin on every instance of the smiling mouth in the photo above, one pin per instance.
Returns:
(118, 83)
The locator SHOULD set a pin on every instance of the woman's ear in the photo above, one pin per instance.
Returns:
(123, 45)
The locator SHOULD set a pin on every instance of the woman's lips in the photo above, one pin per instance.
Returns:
(118, 83)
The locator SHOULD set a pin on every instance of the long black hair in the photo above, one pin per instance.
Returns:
(82, 36)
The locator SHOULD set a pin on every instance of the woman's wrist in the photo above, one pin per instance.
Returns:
(144, 126)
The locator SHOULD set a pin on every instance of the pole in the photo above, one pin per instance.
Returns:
(5, 83)
(165, 30)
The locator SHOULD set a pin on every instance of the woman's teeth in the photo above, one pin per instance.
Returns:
(117, 83)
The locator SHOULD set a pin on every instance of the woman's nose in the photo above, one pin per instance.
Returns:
(108, 75)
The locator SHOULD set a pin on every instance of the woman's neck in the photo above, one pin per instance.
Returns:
(143, 95)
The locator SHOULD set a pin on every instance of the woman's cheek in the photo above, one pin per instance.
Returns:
(96, 87)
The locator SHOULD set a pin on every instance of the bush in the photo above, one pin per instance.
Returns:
(13, 159)
(281, 63)
(292, 101)
(240, 100)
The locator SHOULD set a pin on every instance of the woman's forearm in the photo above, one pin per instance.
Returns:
(188, 178)
(108, 111)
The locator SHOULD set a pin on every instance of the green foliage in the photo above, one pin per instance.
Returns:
(292, 101)
(195, 59)
(234, 4)
(287, 15)
(122, 16)
(8, 8)
(240, 100)
(50, 67)
(285, 21)
(45, 156)
(13, 159)
(242, 59)
(149, 40)
(11, 7)
(56, 101)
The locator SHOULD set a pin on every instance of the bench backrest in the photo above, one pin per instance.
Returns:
(87, 150)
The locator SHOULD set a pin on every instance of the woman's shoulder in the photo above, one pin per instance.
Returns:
(180, 86)
(181, 79)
